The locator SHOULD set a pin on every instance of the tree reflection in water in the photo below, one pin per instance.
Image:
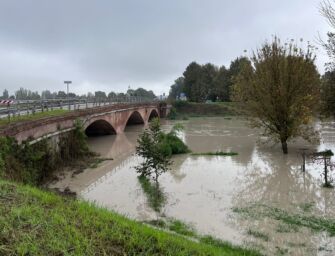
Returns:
(274, 181)
(155, 195)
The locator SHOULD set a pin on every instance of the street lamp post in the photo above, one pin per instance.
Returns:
(67, 95)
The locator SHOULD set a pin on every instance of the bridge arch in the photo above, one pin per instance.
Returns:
(99, 127)
(153, 114)
(135, 118)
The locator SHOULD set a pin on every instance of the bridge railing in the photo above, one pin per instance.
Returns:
(31, 107)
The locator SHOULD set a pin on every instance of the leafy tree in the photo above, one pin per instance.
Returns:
(111, 95)
(280, 91)
(100, 95)
(24, 94)
(46, 94)
(130, 92)
(140, 92)
(205, 86)
(90, 95)
(5, 94)
(21, 94)
(191, 78)
(177, 88)
(328, 93)
(328, 11)
(328, 81)
(234, 70)
(61, 95)
(155, 152)
(221, 84)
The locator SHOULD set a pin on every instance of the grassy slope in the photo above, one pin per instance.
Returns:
(30, 117)
(43, 223)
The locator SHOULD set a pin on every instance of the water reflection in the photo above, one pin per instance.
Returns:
(155, 196)
(203, 190)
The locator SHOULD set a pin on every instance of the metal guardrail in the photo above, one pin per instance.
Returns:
(30, 107)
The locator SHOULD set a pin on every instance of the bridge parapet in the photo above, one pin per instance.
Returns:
(116, 116)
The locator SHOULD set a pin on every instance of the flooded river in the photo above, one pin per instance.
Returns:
(246, 199)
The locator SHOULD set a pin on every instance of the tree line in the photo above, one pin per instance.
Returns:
(200, 83)
(25, 94)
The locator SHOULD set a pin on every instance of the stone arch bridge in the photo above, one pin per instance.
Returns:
(111, 119)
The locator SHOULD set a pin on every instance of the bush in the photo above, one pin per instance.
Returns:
(176, 145)
(173, 114)
(32, 163)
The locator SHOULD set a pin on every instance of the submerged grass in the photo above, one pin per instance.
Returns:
(30, 117)
(185, 229)
(97, 161)
(313, 222)
(258, 234)
(35, 222)
(217, 153)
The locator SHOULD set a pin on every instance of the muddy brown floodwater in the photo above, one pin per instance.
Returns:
(245, 199)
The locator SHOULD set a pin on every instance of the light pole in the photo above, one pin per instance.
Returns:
(67, 95)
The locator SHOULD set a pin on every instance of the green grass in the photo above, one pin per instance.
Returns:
(30, 117)
(181, 228)
(35, 222)
(315, 223)
(218, 153)
(175, 225)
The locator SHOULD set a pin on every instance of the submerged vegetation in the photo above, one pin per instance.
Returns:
(293, 220)
(156, 148)
(217, 153)
(187, 230)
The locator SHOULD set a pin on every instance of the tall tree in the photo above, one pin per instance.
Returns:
(46, 94)
(5, 94)
(280, 91)
(206, 84)
(234, 70)
(328, 11)
(61, 95)
(328, 93)
(221, 84)
(111, 95)
(155, 152)
(191, 78)
(100, 95)
(177, 88)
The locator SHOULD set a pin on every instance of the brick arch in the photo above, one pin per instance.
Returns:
(153, 114)
(99, 127)
(135, 118)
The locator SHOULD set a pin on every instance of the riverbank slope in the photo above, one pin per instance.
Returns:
(36, 222)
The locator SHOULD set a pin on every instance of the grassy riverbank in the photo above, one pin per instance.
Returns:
(36, 222)
(57, 112)
(184, 109)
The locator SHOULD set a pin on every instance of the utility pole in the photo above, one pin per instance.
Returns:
(67, 94)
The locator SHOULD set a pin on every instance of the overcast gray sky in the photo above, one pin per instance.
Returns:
(108, 45)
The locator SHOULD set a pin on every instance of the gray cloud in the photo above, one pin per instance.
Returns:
(108, 45)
